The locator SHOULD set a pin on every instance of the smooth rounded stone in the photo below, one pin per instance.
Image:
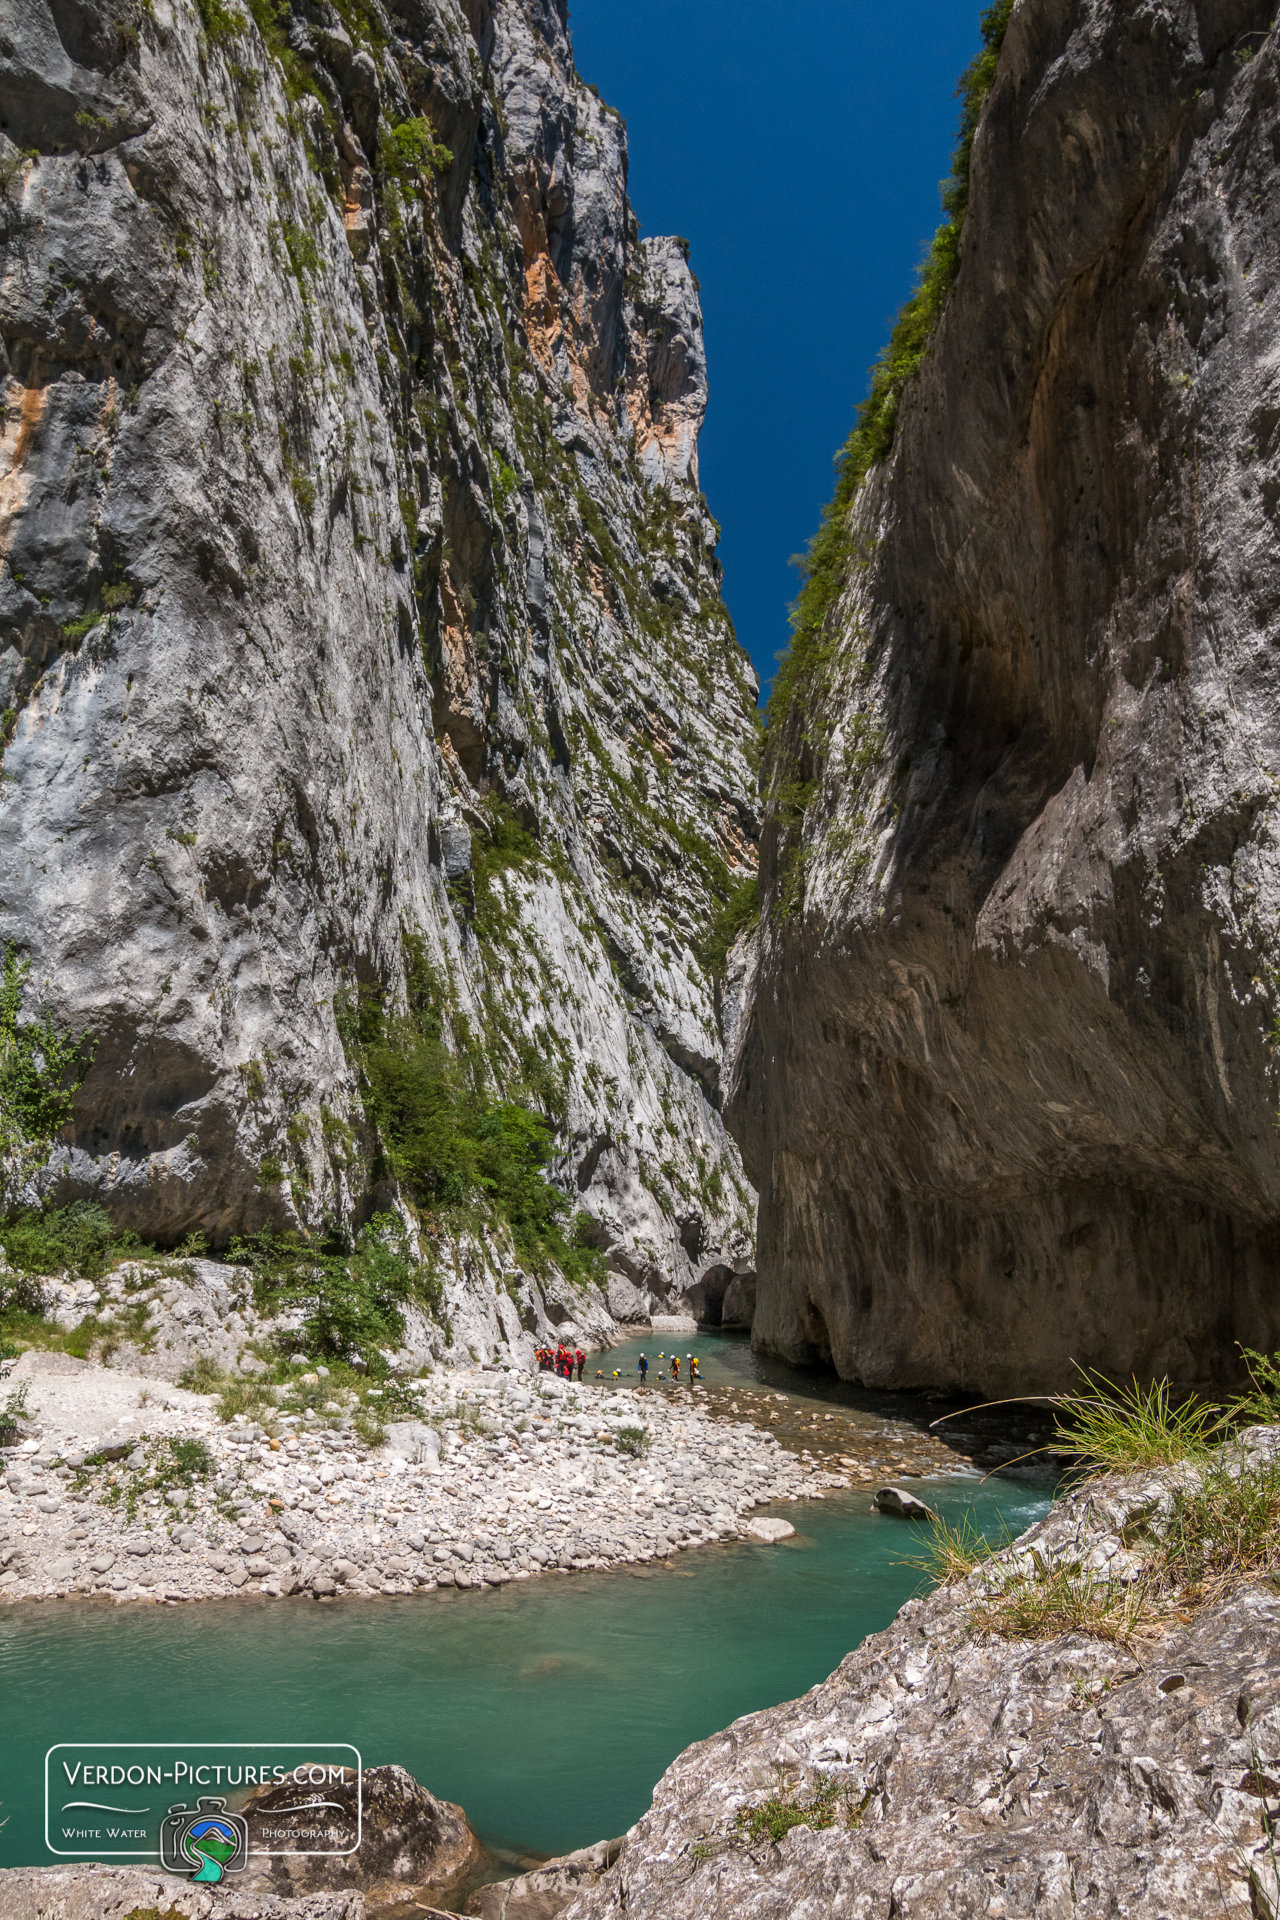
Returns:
(768, 1529)
(49, 1503)
(61, 1570)
(102, 1562)
(902, 1504)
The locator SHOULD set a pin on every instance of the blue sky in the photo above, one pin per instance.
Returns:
(799, 148)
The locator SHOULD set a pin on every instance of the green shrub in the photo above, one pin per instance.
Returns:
(220, 21)
(507, 844)
(634, 1441)
(15, 1402)
(12, 1412)
(1261, 1406)
(353, 1297)
(78, 1239)
(302, 249)
(740, 910)
(168, 1465)
(40, 1068)
(203, 1376)
(411, 149)
(505, 482)
(774, 1818)
(459, 1151)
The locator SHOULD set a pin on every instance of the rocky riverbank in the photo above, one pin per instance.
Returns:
(133, 1489)
(1084, 1725)
(1039, 1737)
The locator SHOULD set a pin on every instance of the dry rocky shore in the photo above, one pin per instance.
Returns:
(504, 1475)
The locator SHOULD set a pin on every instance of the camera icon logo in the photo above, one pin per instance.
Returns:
(204, 1843)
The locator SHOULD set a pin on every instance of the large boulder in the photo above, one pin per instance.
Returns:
(903, 1504)
(413, 1847)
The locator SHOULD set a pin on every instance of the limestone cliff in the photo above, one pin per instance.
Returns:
(359, 610)
(1008, 1086)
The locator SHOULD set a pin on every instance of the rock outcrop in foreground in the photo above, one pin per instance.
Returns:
(359, 613)
(124, 1893)
(1009, 1086)
(958, 1775)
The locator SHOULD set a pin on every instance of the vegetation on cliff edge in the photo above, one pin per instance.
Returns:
(460, 1151)
(824, 567)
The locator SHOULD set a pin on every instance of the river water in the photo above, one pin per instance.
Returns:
(547, 1708)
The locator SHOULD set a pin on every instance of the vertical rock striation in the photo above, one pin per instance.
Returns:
(1008, 1083)
(358, 599)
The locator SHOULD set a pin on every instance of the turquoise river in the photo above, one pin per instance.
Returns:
(548, 1709)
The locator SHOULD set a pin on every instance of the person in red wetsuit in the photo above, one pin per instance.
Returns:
(581, 1359)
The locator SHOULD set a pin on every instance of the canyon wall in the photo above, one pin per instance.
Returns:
(359, 612)
(1008, 1081)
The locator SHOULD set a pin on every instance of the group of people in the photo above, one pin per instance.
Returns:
(562, 1360)
(568, 1362)
(673, 1361)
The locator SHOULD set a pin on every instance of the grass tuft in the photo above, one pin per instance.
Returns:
(953, 1551)
(774, 1818)
(1114, 1428)
(1260, 1407)
(1047, 1600)
(1225, 1531)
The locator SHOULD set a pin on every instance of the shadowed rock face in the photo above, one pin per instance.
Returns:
(1008, 1085)
(346, 495)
